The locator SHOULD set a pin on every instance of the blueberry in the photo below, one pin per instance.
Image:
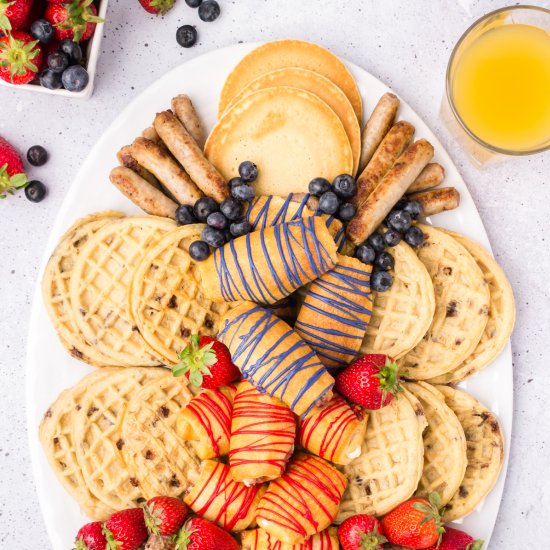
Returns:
(365, 253)
(37, 155)
(399, 220)
(50, 80)
(232, 209)
(35, 191)
(235, 182)
(319, 186)
(204, 207)
(43, 31)
(238, 229)
(344, 186)
(214, 237)
(414, 236)
(248, 171)
(186, 36)
(392, 237)
(243, 192)
(185, 215)
(401, 203)
(329, 203)
(346, 212)
(217, 220)
(384, 261)
(193, 3)
(75, 78)
(381, 281)
(72, 49)
(376, 240)
(58, 61)
(199, 251)
(209, 11)
(414, 208)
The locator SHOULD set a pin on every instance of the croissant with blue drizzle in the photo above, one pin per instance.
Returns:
(274, 358)
(268, 265)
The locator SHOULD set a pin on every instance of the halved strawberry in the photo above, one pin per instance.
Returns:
(20, 57)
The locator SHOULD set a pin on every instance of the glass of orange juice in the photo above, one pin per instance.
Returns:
(498, 85)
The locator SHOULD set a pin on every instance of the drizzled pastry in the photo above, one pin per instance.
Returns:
(218, 498)
(206, 422)
(335, 432)
(268, 265)
(258, 539)
(274, 358)
(336, 311)
(302, 502)
(263, 430)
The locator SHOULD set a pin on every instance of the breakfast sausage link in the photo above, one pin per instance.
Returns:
(166, 169)
(392, 187)
(437, 200)
(431, 176)
(126, 159)
(185, 111)
(377, 127)
(142, 193)
(189, 155)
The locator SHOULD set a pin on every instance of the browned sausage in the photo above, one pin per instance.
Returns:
(184, 110)
(125, 158)
(437, 200)
(431, 176)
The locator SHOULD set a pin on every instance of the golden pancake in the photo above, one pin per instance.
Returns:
(289, 133)
(290, 53)
(319, 85)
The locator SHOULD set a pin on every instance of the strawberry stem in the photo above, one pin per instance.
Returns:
(196, 361)
(18, 56)
(389, 377)
(433, 511)
(372, 540)
(10, 183)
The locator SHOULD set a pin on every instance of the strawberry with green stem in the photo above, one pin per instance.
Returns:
(207, 363)
(125, 530)
(91, 537)
(12, 173)
(361, 532)
(157, 7)
(75, 19)
(165, 516)
(454, 539)
(20, 57)
(200, 534)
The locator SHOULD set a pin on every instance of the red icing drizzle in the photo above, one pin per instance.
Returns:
(223, 492)
(309, 482)
(271, 427)
(321, 541)
(333, 422)
(212, 409)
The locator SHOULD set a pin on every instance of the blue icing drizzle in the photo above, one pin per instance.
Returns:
(330, 290)
(272, 372)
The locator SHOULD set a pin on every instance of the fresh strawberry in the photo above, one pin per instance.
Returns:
(371, 381)
(126, 530)
(12, 173)
(361, 532)
(14, 13)
(453, 539)
(157, 6)
(165, 515)
(20, 57)
(91, 537)
(207, 363)
(75, 19)
(199, 534)
(415, 524)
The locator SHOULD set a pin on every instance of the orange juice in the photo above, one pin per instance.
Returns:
(501, 87)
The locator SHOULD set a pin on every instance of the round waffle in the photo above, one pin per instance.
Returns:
(485, 451)
(402, 315)
(97, 435)
(390, 465)
(166, 299)
(162, 463)
(501, 315)
(100, 283)
(55, 435)
(55, 287)
(461, 312)
(444, 445)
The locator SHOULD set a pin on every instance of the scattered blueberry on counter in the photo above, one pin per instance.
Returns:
(37, 155)
(209, 11)
(193, 3)
(35, 191)
(186, 36)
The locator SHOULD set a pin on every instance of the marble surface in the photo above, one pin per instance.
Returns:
(407, 45)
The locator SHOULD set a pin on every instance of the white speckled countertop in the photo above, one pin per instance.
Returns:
(405, 44)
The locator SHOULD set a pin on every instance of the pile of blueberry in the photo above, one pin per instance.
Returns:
(209, 11)
(224, 221)
(334, 198)
(399, 226)
(35, 190)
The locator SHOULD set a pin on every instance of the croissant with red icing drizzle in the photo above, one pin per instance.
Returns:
(263, 430)
(206, 422)
(258, 539)
(303, 502)
(218, 498)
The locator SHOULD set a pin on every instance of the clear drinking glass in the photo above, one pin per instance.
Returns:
(497, 101)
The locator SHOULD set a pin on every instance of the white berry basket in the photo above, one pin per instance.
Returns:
(91, 54)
